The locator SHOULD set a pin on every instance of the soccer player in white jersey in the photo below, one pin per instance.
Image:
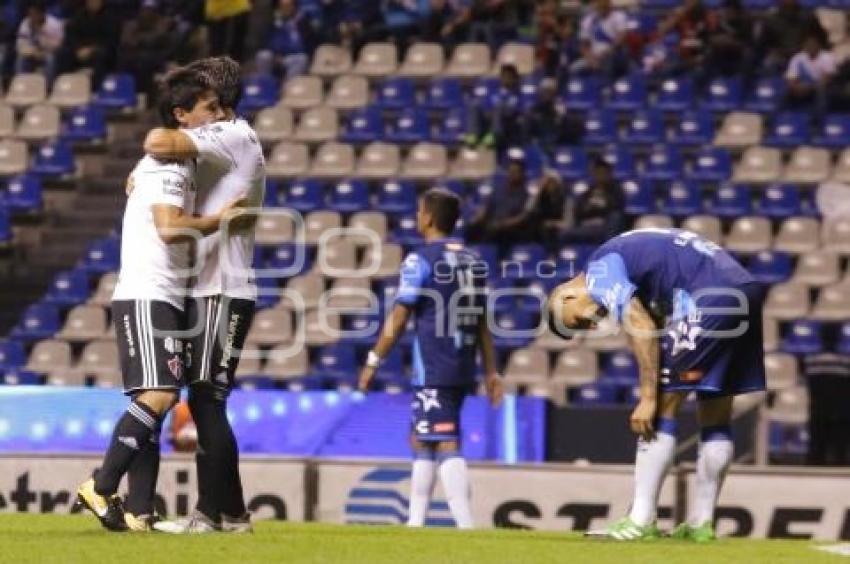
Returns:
(148, 303)
(230, 164)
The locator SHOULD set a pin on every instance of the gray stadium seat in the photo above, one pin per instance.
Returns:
(270, 327)
(423, 60)
(787, 302)
(84, 323)
(40, 122)
(520, 55)
(834, 22)
(469, 60)
(250, 363)
(781, 371)
(100, 360)
(790, 405)
(348, 92)
(798, 235)
(749, 235)
(706, 226)
(337, 258)
(387, 257)
(759, 165)
(473, 164)
(7, 120)
(274, 124)
(836, 235)
(13, 157)
(818, 268)
(527, 366)
(426, 161)
(105, 288)
(576, 367)
(331, 60)
(274, 229)
(770, 328)
(71, 90)
(302, 92)
(376, 222)
(27, 89)
(739, 130)
(50, 355)
(377, 60)
(607, 337)
(317, 125)
(833, 303)
(841, 172)
(808, 166)
(654, 221)
(288, 160)
(551, 342)
(351, 293)
(320, 327)
(318, 222)
(379, 161)
(333, 160)
(287, 362)
(307, 287)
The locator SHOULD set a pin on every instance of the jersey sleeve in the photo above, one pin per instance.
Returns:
(169, 188)
(414, 273)
(609, 285)
(218, 142)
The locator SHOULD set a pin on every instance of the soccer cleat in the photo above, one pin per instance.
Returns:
(108, 510)
(196, 524)
(627, 530)
(141, 523)
(701, 533)
(237, 524)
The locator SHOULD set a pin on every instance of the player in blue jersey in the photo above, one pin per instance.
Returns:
(442, 285)
(693, 317)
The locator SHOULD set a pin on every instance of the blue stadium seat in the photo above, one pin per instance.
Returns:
(364, 126)
(835, 132)
(771, 267)
(484, 92)
(54, 158)
(788, 439)
(86, 124)
(570, 162)
(640, 197)
(803, 336)
(683, 198)
(620, 367)
(501, 289)
(24, 194)
(767, 95)
(453, 185)
(444, 94)
(259, 91)
(788, 129)
(758, 5)
(628, 93)
(12, 355)
(536, 293)
(411, 126)
(396, 93)
(663, 163)
(452, 127)
(712, 164)
(843, 344)
(268, 291)
(642, 23)
(514, 329)
(694, 127)
(405, 232)
(350, 195)
(646, 127)
(273, 194)
(676, 94)
(69, 288)
(621, 160)
(255, 382)
(583, 93)
(366, 327)
(522, 261)
(6, 234)
(571, 260)
(102, 256)
(600, 128)
(391, 371)
(39, 321)
(731, 200)
(596, 393)
(396, 197)
(723, 95)
(291, 257)
(532, 157)
(490, 255)
(305, 195)
(117, 92)
(22, 377)
(337, 361)
(529, 92)
(780, 201)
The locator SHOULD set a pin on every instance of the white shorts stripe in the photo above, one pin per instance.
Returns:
(154, 380)
(140, 334)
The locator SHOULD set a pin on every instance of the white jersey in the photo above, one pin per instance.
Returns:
(150, 268)
(230, 165)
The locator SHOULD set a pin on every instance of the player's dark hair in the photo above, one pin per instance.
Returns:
(179, 88)
(222, 74)
(444, 207)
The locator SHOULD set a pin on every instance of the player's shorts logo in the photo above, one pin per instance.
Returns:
(684, 335)
(428, 399)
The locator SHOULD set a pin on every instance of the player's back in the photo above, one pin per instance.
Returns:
(447, 312)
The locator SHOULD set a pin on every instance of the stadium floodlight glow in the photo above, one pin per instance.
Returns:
(305, 403)
(231, 417)
(74, 427)
(331, 398)
(253, 412)
(39, 430)
(5, 427)
(279, 408)
(104, 427)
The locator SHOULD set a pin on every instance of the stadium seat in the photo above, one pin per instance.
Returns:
(706, 226)
(787, 301)
(367, 228)
(270, 327)
(337, 258)
(781, 371)
(640, 197)
(7, 120)
(302, 92)
(712, 164)
(835, 235)
(576, 367)
(803, 337)
(319, 221)
(337, 361)
(259, 91)
(570, 163)
(798, 235)
(303, 291)
(675, 95)
(273, 229)
(13, 157)
(843, 344)
(348, 92)
(39, 321)
(396, 93)
(387, 260)
(600, 128)
(379, 161)
(770, 267)
(333, 160)
(330, 61)
(288, 160)
(621, 161)
(317, 125)
(484, 92)
(527, 366)
(739, 130)
(841, 172)
(513, 329)
(12, 355)
(349, 195)
(731, 200)
(364, 125)
(767, 95)
(663, 163)
(781, 201)
(102, 256)
(654, 221)
(422, 60)
(759, 165)
(628, 93)
(350, 294)
(117, 92)
(320, 328)
(396, 197)
(693, 128)
(286, 363)
(452, 128)
(84, 323)
(788, 129)
(71, 90)
(818, 268)
(808, 165)
(596, 393)
(24, 194)
(444, 94)
(411, 126)
(305, 195)
(68, 288)
(522, 261)
(54, 158)
(26, 89)
(646, 127)
(86, 124)
(583, 93)
(102, 295)
(834, 133)
(377, 60)
(50, 356)
(289, 259)
(833, 303)
(532, 157)
(469, 60)
(683, 199)
(473, 164)
(39, 123)
(620, 367)
(274, 124)
(749, 235)
(520, 55)
(529, 92)
(723, 95)
(426, 161)
(405, 232)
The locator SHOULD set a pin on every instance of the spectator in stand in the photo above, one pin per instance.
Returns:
(91, 40)
(227, 22)
(783, 33)
(147, 42)
(402, 19)
(729, 46)
(39, 39)
(503, 219)
(291, 39)
(348, 20)
(500, 121)
(558, 46)
(495, 22)
(603, 35)
(549, 124)
(447, 22)
(808, 76)
(694, 26)
(188, 18)
(547, 210)
(597, 214)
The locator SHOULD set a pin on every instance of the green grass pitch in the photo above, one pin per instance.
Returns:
(67, 539)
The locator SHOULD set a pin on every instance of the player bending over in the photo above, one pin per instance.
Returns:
(148, 303)
(693, 317)
(442, 286)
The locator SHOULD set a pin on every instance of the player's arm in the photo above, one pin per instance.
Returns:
(492, 379)
(219, 143)
(393, 328)
(643, 339)
(170, 145)
(173, 225)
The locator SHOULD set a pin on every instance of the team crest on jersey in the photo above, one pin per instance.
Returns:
(172, 345)
(175, 364)
(428, 399)
(684, 334)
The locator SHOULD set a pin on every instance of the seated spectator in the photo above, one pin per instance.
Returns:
(603, 35)
(227, 23)
(504, 217)
(348, 21)
(291, 40)
(808, 76)
(39, 39)
(694, 26)
(729, 46)
(783, 33)
(500, 121)
(562, 49)
(402, 18)
(495, 22)
(147, 42)
(91, 40)
(547, 210)
(549, 124)
(597, 214)
(447, 22)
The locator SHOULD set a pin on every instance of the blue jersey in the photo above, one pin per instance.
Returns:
(663, 268)
(444, 283)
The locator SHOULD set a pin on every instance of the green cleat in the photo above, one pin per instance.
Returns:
(627, 530)
(701, 533)
(487, 141)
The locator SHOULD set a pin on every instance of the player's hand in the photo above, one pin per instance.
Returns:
(643, 417)
(235, 215)
(130, 185)
(495, 389)
(366, 376)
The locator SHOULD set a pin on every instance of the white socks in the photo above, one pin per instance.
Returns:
(421, 486)
(455, 480)
(652, 462)
(715, 456)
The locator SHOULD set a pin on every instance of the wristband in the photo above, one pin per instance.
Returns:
(373, 360)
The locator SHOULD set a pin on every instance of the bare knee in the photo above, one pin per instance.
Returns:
(159, 401)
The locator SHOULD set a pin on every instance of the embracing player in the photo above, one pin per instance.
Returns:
(442, 285)
(693, 317)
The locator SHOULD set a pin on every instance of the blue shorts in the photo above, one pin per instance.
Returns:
(436, 413)
(727, 348)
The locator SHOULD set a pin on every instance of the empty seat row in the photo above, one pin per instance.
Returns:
(69, 90)
(53, 158)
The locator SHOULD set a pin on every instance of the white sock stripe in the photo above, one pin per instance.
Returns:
(152, 344)
(142, 416)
